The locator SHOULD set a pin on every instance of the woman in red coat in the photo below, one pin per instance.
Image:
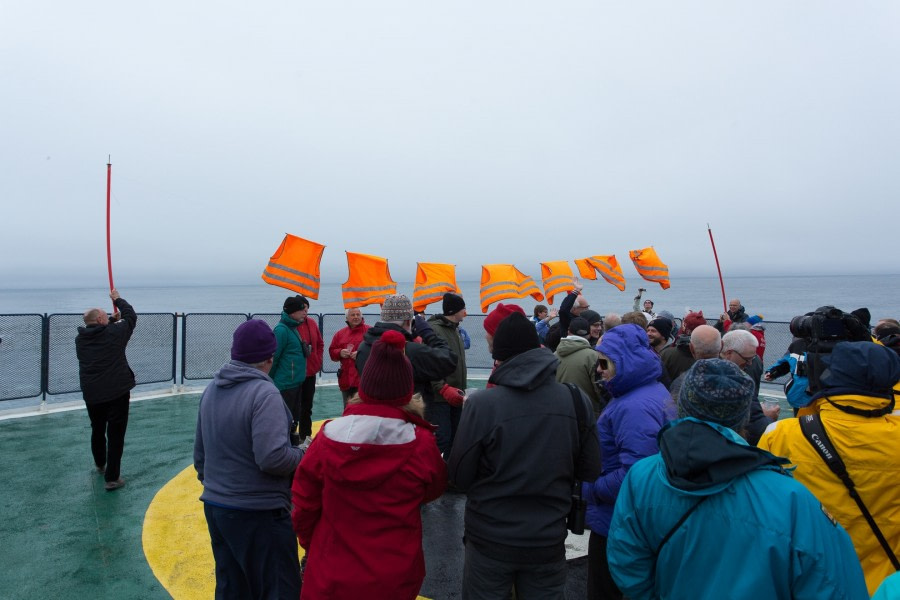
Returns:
(358, 489)
(343, 349)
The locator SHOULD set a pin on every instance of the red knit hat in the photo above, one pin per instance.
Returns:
(500, 312)
(692, 321)
(387, 377)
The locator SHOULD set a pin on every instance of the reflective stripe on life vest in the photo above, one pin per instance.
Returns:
(433, 280)
(650, 267)
(557, 278)
(369, 281)
(295, 266)
(607, 266)
(500, 282)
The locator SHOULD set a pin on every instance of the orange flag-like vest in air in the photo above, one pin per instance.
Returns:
(557, 278)
(608, 267)
(369, 281)
(295, 266)
(500, 282)
(433, 280)
(650, 267)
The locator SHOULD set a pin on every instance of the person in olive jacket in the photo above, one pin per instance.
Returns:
(106, 383)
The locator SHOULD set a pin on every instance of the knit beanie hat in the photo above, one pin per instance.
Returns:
(397, 308)
(453, 303)
(663, 325)
(500, 312)
(253, 342)
(716, 390)
(692, 321)
(755, 319)
(387, 376)
(295, 303)
(591, 316)
(515, 335)
(579, 326)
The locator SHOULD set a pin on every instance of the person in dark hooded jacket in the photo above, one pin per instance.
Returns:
(712, 517)
(627, 430)
(520, 448)
(106, 383)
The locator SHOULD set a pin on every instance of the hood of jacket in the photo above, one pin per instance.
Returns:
(572, 344)
(863, 368)
(369, 444)
(704, 458)
(235, 372)
(287, 320)
(636, 363)
(527, 370)
(90, 331)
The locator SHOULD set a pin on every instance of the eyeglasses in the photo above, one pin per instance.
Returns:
(746, 359)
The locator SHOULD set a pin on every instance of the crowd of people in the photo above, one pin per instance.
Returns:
(648, 433)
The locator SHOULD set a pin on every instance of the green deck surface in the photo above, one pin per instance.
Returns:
(63, 535)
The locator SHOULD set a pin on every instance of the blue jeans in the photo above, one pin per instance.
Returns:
(256, 553)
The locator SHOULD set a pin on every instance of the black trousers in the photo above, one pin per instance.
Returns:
(109, 420)
(600, 584)
(299, 401)
(255, 553)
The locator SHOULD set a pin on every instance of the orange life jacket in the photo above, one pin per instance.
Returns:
(500, 282)
(608, 267)
(295, 266)
(369, 281)
(433, 280)
(557, 278)
(650, 267)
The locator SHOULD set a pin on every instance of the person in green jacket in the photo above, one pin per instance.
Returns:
(577, 362)
(289, 362)
(445, 407)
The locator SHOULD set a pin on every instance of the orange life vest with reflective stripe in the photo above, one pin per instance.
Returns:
(433, 280)
(557, 278)
(501, 282)
(295, 266)
(608, 267)
(369, 281)
(650, 267)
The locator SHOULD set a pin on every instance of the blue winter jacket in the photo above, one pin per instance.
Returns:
(628, 426)
(758, 532)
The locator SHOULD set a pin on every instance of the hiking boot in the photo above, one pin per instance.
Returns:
(114, 485)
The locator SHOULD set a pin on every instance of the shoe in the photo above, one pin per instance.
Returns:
(114, 485)
(101, 470)
(305, 443)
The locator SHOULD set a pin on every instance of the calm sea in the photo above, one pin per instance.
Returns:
(775, 298)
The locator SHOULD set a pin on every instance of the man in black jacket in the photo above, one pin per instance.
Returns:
(106, 382)
(431, 360)
(520, 447)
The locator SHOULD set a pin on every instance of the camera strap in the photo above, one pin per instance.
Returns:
(680, 522)
(814, 432)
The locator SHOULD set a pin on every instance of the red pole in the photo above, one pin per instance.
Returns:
(108, 248)
(719, 269)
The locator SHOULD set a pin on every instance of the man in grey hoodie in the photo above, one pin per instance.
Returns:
(244, 458)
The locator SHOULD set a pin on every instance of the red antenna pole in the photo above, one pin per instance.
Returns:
(718, 268)
(108, 246)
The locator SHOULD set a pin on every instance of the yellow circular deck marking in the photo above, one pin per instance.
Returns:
(176, 539)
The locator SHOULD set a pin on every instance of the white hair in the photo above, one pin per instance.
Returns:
(740, 341)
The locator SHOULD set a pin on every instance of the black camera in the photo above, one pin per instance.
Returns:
(826, 324)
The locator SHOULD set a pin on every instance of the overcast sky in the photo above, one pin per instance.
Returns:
(465, 132)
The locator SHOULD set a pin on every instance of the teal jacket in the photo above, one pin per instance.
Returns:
(289, 363)
(758, 533)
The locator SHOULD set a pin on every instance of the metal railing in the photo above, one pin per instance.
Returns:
(37, 352)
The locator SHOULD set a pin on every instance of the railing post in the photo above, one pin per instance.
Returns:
(45, 359)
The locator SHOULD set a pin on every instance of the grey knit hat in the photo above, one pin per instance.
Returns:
(397, 308)
(716, 390)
